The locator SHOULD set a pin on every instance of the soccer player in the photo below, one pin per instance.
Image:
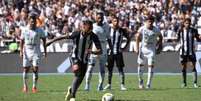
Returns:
(101, 29)
(83, 40)
(30, 50)
(186, 37)
(150, 38)
(115, 53)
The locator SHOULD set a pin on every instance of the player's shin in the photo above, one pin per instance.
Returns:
(35, 79)
(88, 76)
(140, 74)
(184, 76)
(194, 71)
(150, 76)
(25, 79)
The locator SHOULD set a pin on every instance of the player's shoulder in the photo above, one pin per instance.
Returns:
(142, 28)
(156, 29)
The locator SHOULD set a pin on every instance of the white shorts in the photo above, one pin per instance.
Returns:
(146, 54)
(31, 58)
(101, 58)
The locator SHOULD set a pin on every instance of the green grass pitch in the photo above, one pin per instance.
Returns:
(53, 87)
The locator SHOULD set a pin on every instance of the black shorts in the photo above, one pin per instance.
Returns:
(187, 58)
(118, 58)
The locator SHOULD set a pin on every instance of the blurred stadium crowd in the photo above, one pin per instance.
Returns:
(57, 17)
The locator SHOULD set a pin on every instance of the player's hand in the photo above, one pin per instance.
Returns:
(137, 51)
(21, 54)
(45, 54)
(75, 68)
(159, 49)
(89, 51)
(47, 44)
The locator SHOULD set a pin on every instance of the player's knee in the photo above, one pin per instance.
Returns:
(194, 70)
(183, 69)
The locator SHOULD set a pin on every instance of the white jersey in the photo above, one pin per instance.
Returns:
(149, 37)
(148, 44)
(103, 34)
(32, 39)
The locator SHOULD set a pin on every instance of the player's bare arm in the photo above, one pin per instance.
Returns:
(138, 38)
(57, 39)
(21, 47)
(126, 35)
(160, 43)
(44, 45)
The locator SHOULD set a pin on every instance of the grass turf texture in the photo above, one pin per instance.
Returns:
(53, 87)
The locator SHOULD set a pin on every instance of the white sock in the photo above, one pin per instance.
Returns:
(140, 73)
(35, 77)
(25, 79)
(150, 75)
(89, 74)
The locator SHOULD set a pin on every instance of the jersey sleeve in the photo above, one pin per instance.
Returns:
(73, 35)
(42, 33)
(140, 30)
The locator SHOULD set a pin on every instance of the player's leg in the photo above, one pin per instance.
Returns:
(25, 78)
(140, 69)
(150, 72)
(120, 65)
(102, 62)
(183, 60)
(35, 64)
(194, 71)
(78, 77)
(35, 79)
(110, 65)
(26, 67)
(91, 64)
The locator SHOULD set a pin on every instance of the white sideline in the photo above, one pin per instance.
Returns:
(17, 74)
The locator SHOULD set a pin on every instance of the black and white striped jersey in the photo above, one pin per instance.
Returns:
(82, 43)
(116, 36)
(186, 38)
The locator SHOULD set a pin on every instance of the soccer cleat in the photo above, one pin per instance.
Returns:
(100, 87)
(108, 86)
(72, 99)
(148, 87)
(141, 86)
(86, 88)
(34, 90)
(195, 85)
(25, 89)
(183, 85)
(68, 94)
(123, 88)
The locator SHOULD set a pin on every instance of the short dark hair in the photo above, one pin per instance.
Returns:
(150, 17)
(33, 15)
(187, 19)
(87, 21)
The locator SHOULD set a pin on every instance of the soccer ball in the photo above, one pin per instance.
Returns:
(108, 97)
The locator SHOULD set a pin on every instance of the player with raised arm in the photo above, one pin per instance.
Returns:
(150, 38)
(82, 41)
